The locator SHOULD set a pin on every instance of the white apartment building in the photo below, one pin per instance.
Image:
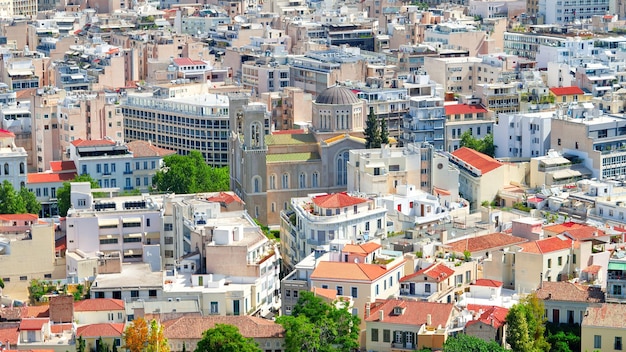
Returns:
(572, 51)
(455, 74)
(567, 11)
(316, 220)
(471, 117)
(425, 122)
(522, 135)
(12, 161)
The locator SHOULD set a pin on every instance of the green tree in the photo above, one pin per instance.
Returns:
(63, 193)
(102, 346)
(372, 131)
(1, 283)
(30, 201)
(465, 343)
(190, 174)
(484, 145)
(225, 338)
(384, 131)
(10, 201)
(156, 340)
(317, 326)
(526, 326)
(563, 338)
(80, 344)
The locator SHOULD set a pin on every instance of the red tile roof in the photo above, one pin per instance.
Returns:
(413, 312)
(192, 327)
(144, 149)
(225, 197)
(570, 292)
(30, 324)
(60, 244)
(559, 91)
(441, 192)
(349, 271)
(98, 304)
(485, 242)
(437, 271)
(487, 283)
(481, 161)
(337, 200)
(607, 315)
(60, 166)
(575, 231)
(104, 330)
(547, 245)
(5, 133)
(36, 311)
(19, 217)
(493, 316)
(592, 269)
(456, 109)
(325, 293)
(185, 61)
(50, 177)
(10, 334)
(59, 328)
(92, 142)
(365, 248)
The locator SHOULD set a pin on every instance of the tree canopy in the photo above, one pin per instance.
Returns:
(63, 193)
(526, 326)
(144, 336)
(372, 131)
(315, 325)
(465, 343)
(225, 338)
(484, 145)
(190, 174)
(17, 202)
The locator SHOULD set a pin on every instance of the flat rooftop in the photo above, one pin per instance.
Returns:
(132, 275)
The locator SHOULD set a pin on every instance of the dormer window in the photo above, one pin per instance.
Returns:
(397, 310)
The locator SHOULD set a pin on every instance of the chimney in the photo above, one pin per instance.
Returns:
(429, 320)
(381, 315)
(367, 310)
(549, 295)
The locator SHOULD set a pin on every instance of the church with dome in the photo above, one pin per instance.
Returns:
(267, 169)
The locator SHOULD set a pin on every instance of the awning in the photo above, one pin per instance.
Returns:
(108, 222)
(129, 252)
(106, 237)
(153, 235)
(617, 266)
(77, 76)
(565, 173)
(133, 235)
(376, 164)
(20, 72)
(131, 220)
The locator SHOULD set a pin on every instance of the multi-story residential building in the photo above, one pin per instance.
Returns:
(571, 94)
(566, 302)
(407, 325)
(289, 108)
(499, 97)
(526, 44)
(157, 117)
(316, 221)
(147, 161)
(616, 277)
(457, 35)
(595, 78)
(571, 51)
(73, 78)
(45, 185)
(23, 72)
(598, 141)
(438, 282)
(46, 128)
(553, 169)
(563, 12)
(522, 135)
(264, 75)
(390, 104)
(425, 121)
(455, 74)
(471, 117)
(12, 161)
(602, 328)
(106, 161)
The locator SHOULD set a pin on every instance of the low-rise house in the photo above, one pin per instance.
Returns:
(483, 246)
(485, 289)
(439, 282)
(489, 325)
(108, 333)
(99, 310)
(407, 325)
(604, 328)
(187, 331)
(566, 302)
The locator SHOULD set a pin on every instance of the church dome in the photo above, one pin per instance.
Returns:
(337, 95)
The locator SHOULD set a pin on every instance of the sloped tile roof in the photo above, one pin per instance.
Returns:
(92, 142)
(438, 271)
(60, 166)
(487, 283)
(456, 109)
(104, 330)
(607, 315)
(348, 271)
(364, 248)
(570, 292)
(547, 245)
(144, 149)
(325, 292)
(559, 91)
(413, 312)
(19, 217)
(485, 242)
(225, 197)
(30, 324)
(337, 200)
(36, 311)
(186, 61)
(481, 161)
(5, 133)
(192, 327)
(49, 177)
(98, 304)
(494, 316)
(10, 333)
(59, 328)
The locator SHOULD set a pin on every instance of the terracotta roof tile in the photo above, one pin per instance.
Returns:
(575, 230)
(607, 315)
(98, 304)
(144, 149)
(5, 133)
(92, 142)
(559, 91)
(592, 269)
(11, 314)
(185, 61)
(59, 328)
(19, 217)
(225, 197)
(481, 161)
(567, 291)
(36, 311)
(337, 200)
(188, 327)
(349, 271)
(325, 293)
(60, 166)
(9, 333)
(50, 177)
(30, 324)
(547, 245)
(413, 312)
(487, 283)
(485, 242)
(104, 330)
(438, 271)
(365, 248)
(456, 109)
(494, 316)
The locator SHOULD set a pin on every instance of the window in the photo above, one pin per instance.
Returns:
(214, 308)
(386, 335)
(285, 181)
(573, 258)
(153, 164)
(355, 292)
(272, 181)
(169, 240)
(427, 288)
(145, 181)
(168, 227)
(134, 293)
(339, 290)
(618, 343)
(617, 290)
(374, 335)
(98, 168)
(597, 341)
(148, 222)
(295, 294)
(168, 253)
(152, 293)
(256, 184)
(549, 263)
(315, 180)
(110, 316)
(302, 180)
(287, 293)
(560, 261)
(377, 290)
(82, 202)
(341, 168)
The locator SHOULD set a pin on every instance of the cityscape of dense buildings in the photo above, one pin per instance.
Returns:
(424, 166)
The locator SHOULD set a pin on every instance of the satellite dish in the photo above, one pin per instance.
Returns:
(240, 19)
